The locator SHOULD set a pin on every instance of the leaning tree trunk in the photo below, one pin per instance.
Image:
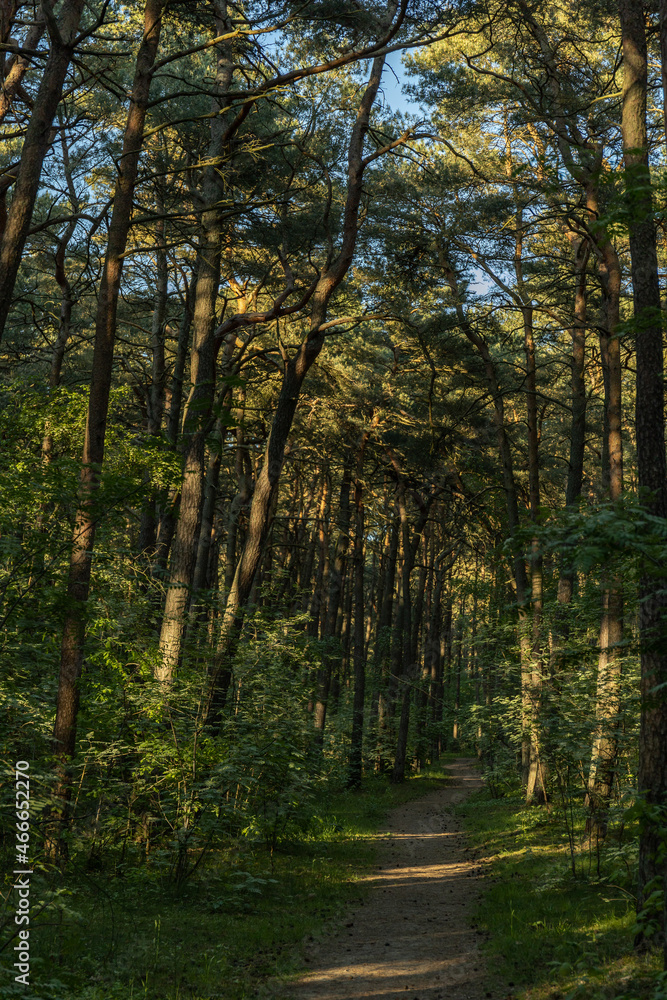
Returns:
(205, 348)
(36, 144)
(295, 372)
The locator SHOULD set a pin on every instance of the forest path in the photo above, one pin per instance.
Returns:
(412, 937)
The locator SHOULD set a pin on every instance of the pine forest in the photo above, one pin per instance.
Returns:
(333, 497)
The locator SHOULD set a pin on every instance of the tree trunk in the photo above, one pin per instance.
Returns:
(605, 745)
(336, 575)
(200, 580)
(420, 627)
(180, 361)
(405, 669)
(575, 468)
(64, 736)
(356, 741)
(155, 401)
(318, 601)
(242, 498)
(456, 728)
(36, 144)
(650, 429)
(58, 352)
(295, 371)
(19, 65)
(383, 636)
(168, 504)
(433, 663)
(535, 788)
(205, 348)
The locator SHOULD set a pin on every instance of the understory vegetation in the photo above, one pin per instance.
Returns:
(233, 927)
(560, 917)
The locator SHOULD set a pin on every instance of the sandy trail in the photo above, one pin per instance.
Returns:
(412, 938)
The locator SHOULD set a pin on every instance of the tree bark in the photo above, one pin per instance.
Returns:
(295, 371)
(156, 391)
(575, 468)
(19, 64)
(605, 744)
(650, 430)
(433, 663)
(205, 348)
(533, 674)
(356, 741)
(383, 637)
(64, 736)
(243, 495)
(317, 607)
(38, 138)
(200, 580)
(336, 575)
(405, 669)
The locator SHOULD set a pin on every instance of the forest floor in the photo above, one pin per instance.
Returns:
(412, 936)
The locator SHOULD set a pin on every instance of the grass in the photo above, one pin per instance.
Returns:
(231, 932)
(554, 934)
(236, 929)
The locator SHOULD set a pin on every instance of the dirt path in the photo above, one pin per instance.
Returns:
(412, 938)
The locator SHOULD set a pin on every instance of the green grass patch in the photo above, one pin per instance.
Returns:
(555, 934)
(234, 930)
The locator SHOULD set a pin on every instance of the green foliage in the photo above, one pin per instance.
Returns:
(239, 919)
(603, 535)
(554, 935)
(466, 230)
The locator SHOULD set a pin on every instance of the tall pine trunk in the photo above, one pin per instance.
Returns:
(359, 655)
(88, 514)
(650, 430)
(205, 348)
(336, 578)
(605, 745)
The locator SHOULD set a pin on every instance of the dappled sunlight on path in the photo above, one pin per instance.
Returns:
(413, 936)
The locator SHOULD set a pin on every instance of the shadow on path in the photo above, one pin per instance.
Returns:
(412, 937)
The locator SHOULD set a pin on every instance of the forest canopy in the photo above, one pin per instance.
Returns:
(331, 421)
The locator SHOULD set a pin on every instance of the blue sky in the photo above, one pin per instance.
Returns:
(393, 78)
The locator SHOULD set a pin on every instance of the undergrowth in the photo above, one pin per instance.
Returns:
(227, 933)
(560, 920)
